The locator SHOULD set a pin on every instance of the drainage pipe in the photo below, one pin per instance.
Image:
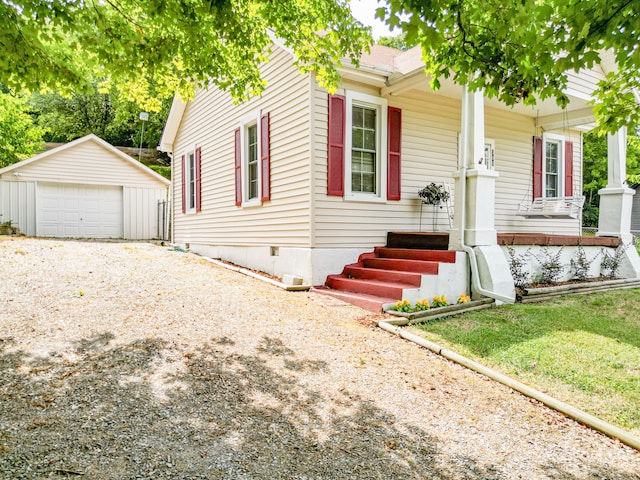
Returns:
(171, 223)
(564, 408)
(462, 197)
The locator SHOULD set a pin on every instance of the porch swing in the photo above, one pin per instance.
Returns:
(551, 207)
(568, 206)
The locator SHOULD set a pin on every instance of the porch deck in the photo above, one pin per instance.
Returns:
(440, 240)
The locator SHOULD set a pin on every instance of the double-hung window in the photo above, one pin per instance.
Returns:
(363, 148)
(366, 147)
(191, 183)
(252, 160)
(552, 166)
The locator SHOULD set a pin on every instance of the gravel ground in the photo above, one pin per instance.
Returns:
(129, 360)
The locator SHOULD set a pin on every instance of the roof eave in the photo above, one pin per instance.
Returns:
(172, 125)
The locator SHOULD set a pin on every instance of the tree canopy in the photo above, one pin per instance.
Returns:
(19, 137)
(154, 48)
(102, 112)
(517, 50)
(521, 50)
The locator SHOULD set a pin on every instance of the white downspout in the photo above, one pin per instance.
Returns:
(171, 201)
(462, 164)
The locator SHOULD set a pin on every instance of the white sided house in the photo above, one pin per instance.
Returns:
(83, 189)
(303, 183)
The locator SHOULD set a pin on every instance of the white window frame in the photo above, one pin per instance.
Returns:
(380, 105)
(190, 180)
(246, 122)
(490, 149)
(552, 137)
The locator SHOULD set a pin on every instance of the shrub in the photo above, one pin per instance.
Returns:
(551, 267)
(611, 263)
(517, 265)
(581, 263)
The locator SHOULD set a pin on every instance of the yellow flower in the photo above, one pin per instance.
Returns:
(422, 304)
(439, 301)
(464, 298)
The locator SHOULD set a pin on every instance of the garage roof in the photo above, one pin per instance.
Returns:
(88, 138)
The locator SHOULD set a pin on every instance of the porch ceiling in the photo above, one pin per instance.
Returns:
(548, 114)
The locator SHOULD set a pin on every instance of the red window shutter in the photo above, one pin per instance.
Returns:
(238, 167)
(265, 157)
(394, 125)
(198, 179)
(184, 184)
(568, 169)
(336, 136)
(537, 167)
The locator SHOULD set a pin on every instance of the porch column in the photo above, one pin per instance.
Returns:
(474, 202)
(616, 198)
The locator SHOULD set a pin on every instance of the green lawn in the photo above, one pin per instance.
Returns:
(582, 349)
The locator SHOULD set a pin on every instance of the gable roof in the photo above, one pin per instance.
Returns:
(87, 138)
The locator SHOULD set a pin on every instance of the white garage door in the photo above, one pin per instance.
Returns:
(80, 211)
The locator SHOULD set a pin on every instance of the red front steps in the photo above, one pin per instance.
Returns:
(382, 276)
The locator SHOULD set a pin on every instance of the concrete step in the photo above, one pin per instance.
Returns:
(445, 256)
(371, 303)
(378, 288)
(422, 240)
(405, 265)
(363, 273)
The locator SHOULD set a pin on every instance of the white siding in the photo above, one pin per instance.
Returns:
(430, 126)
(141, 212)
(17, 204)
(87, 163)
(514, 153)
(209, 122)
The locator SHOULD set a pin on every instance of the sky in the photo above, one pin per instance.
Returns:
(365, 10)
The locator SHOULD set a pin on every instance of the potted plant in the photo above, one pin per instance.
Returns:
(433, 194)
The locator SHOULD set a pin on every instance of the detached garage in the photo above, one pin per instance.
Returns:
(83, 189)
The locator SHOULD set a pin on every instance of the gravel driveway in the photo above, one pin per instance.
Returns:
(129, 360)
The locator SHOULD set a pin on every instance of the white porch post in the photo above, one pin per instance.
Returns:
(616, 198)
(474, 183)
(474, 205)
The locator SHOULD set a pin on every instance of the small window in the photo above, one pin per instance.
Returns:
(489, 157)
(489, 153)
